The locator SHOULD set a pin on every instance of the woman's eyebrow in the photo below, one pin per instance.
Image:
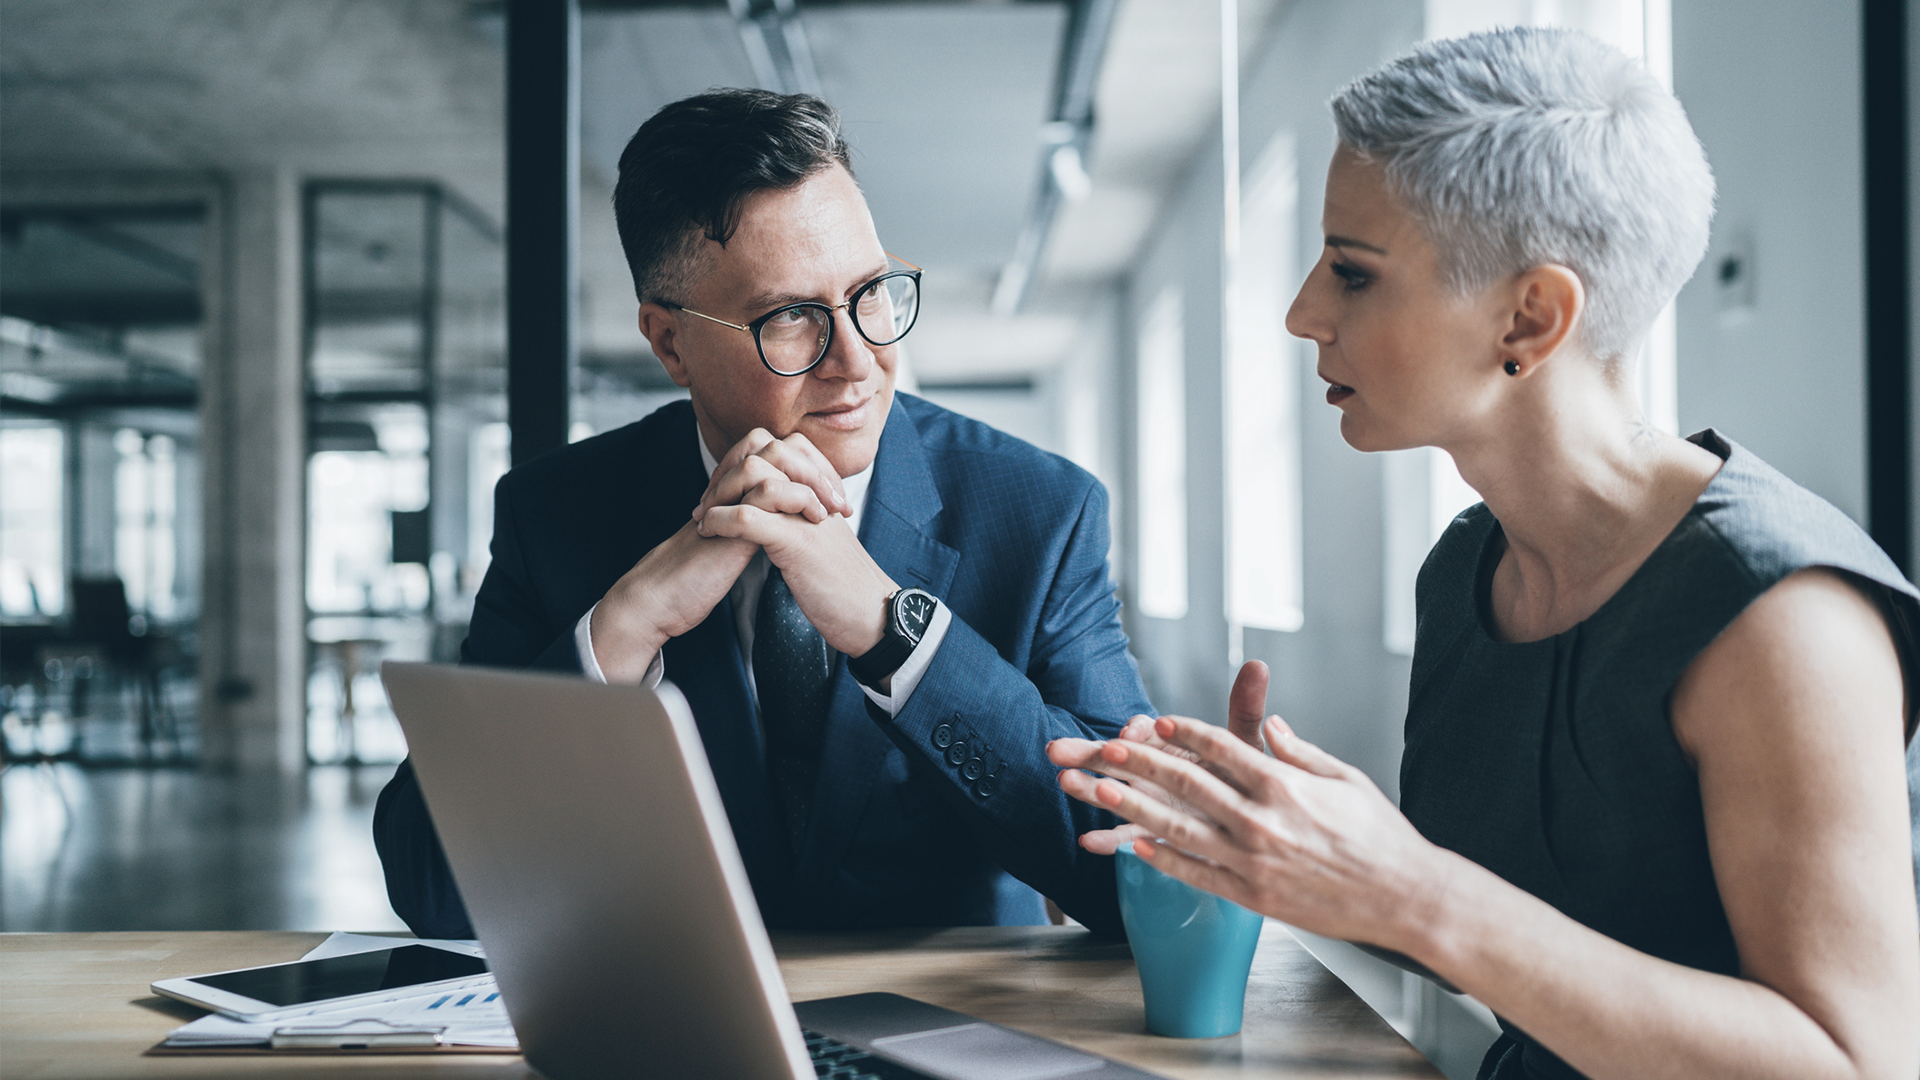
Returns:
(1348, 242)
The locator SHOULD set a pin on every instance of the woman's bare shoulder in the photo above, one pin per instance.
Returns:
(1811, 640)
(1795, 720)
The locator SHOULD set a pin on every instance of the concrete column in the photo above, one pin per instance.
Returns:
(252, 625)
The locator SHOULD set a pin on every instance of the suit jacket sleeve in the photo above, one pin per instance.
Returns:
(511, 628)
(1077, 679)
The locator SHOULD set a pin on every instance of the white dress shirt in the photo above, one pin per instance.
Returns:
(745, 595)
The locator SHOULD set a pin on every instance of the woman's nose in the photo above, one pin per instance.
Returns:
(1306, 317)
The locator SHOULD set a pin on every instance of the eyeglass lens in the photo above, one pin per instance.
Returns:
(795, 338)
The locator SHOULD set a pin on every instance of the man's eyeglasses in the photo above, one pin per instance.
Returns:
(795, 338)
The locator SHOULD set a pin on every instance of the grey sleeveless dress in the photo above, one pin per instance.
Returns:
(1553, 763)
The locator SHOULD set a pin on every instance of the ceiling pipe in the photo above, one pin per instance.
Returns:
(1066, 137)
(776, 45)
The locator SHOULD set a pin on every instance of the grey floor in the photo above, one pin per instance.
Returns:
(175, 848)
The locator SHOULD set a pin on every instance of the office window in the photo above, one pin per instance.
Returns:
(32, 557)
(1262, 405)
(1621, 23)
(492, 456)
(406, 364)
(1659, 370)
(144, 521)
(1423, 494)
(359, 478)
(1162, 465)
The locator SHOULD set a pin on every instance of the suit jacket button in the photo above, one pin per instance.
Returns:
(943, 736)
(986, 785)
(956, 753)
(972, 769)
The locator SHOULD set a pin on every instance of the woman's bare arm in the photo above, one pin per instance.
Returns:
(1794, 718)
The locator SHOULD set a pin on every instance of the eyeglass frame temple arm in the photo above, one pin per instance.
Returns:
(748, 327)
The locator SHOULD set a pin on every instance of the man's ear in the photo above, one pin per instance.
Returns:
(660, 325)
(1548, 302)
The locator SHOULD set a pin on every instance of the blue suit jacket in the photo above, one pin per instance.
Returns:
(1013, 540)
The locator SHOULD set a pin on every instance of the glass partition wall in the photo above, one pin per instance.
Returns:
(100, 362)
(406, 421)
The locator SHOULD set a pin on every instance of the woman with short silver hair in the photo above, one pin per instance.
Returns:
(1655, 794)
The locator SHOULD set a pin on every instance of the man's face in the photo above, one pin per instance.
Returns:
(814, 241)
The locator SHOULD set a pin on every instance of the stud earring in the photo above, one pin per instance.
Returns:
(1513, 367)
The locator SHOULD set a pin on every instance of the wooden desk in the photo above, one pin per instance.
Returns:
(76, 1006)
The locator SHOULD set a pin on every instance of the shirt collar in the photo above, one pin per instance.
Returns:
(855, 485)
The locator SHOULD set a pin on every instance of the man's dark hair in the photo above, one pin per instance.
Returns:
(684, 174)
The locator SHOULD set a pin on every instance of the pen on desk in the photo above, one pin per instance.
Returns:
(354, 1035)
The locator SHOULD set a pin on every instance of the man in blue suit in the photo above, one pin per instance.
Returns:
(879, 611)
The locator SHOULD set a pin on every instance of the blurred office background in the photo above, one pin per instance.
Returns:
(255, 366)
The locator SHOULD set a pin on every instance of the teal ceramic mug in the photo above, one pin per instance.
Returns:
(1193, 950)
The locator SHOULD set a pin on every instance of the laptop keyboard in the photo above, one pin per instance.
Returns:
(835, 1060)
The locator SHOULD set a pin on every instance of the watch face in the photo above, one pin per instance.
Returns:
(913, 612)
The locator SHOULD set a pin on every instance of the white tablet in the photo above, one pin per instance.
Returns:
(278, 991)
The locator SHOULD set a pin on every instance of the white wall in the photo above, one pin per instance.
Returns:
(1333, 679)
(1088, 406)
(1773, 90)
(1184, 660)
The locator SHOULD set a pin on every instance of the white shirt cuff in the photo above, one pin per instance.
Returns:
(907, 677)
(583, 644)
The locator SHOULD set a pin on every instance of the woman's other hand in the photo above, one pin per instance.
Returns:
(1244, 707)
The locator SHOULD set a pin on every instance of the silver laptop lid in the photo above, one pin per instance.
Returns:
(593, 852)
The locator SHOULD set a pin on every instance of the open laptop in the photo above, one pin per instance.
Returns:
(589, 841)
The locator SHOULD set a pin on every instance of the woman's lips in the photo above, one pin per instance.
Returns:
(1337, 393)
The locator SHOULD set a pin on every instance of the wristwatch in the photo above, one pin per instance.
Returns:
(908, 613)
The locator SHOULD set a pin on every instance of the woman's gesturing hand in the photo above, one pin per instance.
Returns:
(1244, 706)
(1300, 836)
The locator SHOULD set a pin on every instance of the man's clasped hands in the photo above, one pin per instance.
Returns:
(781, 496)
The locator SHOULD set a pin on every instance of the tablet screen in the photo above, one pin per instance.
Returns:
(345, 976)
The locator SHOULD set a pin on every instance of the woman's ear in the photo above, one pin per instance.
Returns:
(661, 327)
(1548, 302)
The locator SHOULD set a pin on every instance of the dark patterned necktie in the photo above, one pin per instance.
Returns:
(793, 670)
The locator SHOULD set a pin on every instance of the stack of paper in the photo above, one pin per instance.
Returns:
(468, 1017)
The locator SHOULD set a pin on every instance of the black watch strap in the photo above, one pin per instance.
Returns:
(909, 611)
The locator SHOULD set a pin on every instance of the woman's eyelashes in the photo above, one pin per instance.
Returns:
(1351, 276)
